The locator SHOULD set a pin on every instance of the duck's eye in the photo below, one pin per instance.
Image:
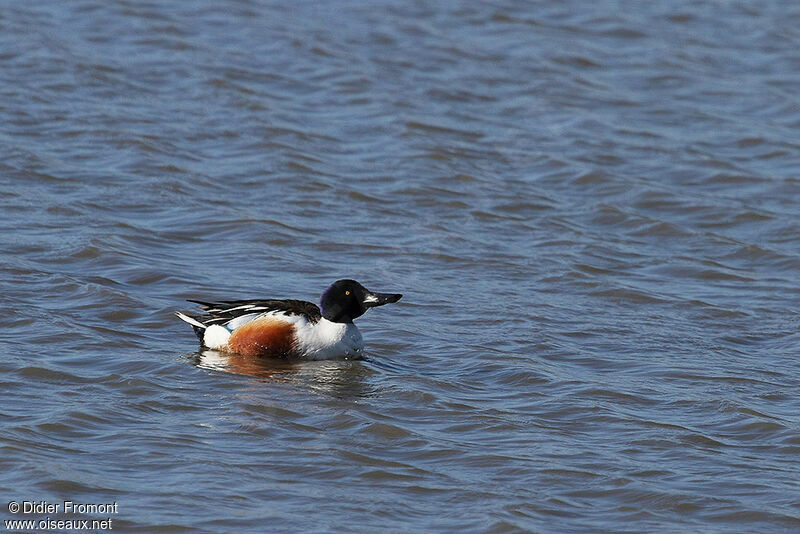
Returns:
(346, 292)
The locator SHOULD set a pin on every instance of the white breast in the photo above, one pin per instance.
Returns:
(326, 340)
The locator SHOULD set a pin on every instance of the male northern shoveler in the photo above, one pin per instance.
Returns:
(289, 328)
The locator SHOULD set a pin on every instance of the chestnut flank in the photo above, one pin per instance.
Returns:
(263, 337)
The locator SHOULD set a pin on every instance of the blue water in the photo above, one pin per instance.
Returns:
(591, 210)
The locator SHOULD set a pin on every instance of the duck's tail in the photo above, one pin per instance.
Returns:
(199, 328)
(212, 336)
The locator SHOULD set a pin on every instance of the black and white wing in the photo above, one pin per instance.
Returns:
(224, 311)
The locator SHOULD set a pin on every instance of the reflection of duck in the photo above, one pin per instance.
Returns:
(232, 362)
(289, 328)
(340, 378)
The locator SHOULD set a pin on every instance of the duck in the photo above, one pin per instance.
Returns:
(288, 328)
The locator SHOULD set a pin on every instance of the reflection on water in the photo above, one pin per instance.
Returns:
(340, 378)
(231, 362)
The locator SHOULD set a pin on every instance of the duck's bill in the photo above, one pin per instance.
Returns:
(379, 299)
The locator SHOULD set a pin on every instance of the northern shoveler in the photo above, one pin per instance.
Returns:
(289, 328)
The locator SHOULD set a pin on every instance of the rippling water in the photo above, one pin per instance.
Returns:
(592, 211)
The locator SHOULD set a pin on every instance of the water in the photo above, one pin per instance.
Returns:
(592, 212)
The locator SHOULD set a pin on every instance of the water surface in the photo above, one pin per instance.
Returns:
(592, 211)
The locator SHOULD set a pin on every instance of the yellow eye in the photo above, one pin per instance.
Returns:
(346, 292)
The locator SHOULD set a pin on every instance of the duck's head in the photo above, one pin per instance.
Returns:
(344, 300)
